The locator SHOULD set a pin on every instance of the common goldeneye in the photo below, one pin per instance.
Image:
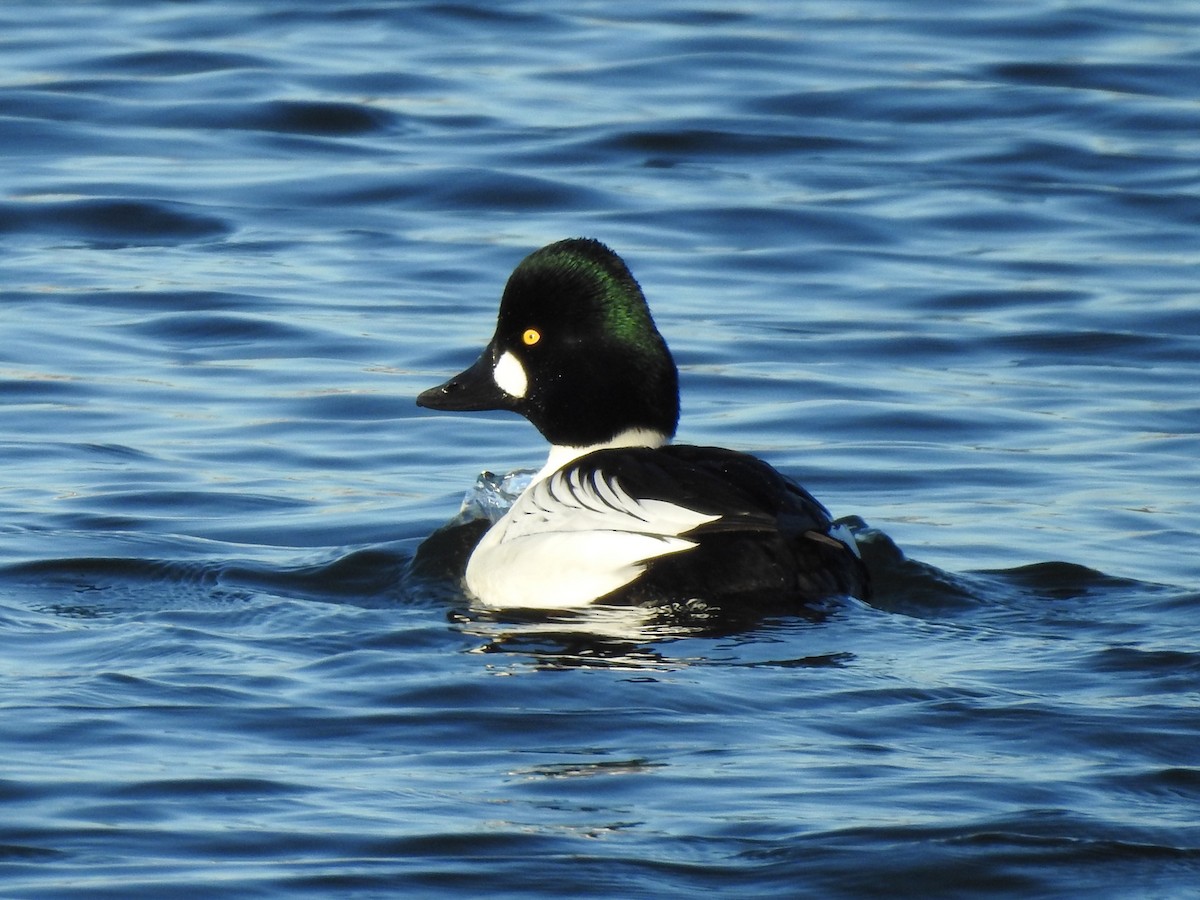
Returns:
(618, 514)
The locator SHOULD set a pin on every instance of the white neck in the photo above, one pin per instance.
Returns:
(561, 454)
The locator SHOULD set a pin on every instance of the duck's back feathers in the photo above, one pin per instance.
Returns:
(774, 546)
(676, 523)
(747, 493)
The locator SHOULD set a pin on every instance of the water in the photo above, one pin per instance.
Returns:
(941, 266)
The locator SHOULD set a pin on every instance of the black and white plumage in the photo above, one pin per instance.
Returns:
(617, 514)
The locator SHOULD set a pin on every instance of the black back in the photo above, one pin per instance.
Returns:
(770, 549)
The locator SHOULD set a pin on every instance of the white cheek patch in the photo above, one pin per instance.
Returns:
(510, 376)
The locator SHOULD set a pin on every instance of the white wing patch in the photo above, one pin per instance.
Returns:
(573, 537)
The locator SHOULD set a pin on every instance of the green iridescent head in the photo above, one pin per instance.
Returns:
(577, 321)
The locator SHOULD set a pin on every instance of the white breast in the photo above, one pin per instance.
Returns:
(569, 539)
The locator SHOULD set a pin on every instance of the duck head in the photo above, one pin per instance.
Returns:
(576, 352)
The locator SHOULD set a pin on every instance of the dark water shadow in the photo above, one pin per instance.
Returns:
(103, 587)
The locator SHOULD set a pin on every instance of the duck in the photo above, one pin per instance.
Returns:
(619, 514)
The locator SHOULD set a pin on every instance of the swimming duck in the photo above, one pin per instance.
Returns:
(618, 514)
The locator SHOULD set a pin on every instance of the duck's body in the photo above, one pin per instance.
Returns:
(618, 514)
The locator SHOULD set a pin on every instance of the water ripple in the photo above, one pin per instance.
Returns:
(113, 221)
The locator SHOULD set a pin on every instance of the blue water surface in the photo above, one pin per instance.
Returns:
(939, 263)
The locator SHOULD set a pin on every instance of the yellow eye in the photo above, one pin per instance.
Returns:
(531, 336)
